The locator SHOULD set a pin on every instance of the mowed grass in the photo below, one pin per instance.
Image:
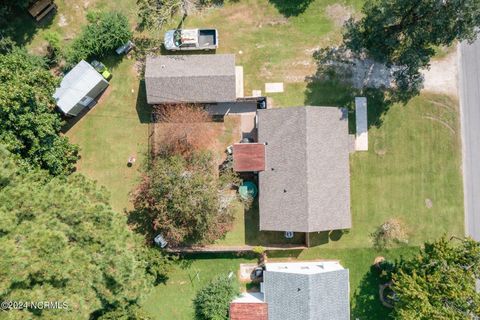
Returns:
(411, 172)
(115, 129)
(174, 300)
(270, 46)
(414, 154)
(414, 157)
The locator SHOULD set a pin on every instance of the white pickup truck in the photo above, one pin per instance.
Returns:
(191, 39)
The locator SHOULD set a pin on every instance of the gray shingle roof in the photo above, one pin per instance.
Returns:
(306, 183)
(292, 296)
(190, 78)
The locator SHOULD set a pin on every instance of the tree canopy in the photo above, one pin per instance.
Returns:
(213, 300)
(105, 32)
(438, 283)
(29, 125)
(404, 33)
(61, 241)
(181, 198)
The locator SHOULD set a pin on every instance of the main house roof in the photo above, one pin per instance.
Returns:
(205, 78)
(306, 183)
(307, 290)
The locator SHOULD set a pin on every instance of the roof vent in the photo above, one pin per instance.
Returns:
(284, 190)
(163, 66)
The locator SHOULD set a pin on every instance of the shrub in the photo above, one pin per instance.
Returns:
(212, 301)
(390, 233)
(54, 51)
(105, 32)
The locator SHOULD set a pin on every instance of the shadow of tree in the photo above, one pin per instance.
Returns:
(366, 300)
(291, 8)
(21, 27)
(327, 87)
(141, 222)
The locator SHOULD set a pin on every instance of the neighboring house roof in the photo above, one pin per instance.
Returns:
(250, 306)
(83, 80)
(190, 78)
(307, 291)
(306, 183)
(248, 157)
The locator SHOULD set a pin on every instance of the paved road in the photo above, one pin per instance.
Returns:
(469, 80)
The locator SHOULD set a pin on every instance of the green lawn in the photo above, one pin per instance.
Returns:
(173, 300)
(414, 159)
(114, 129)
(117, 126)
(414, 149)
(271, 47)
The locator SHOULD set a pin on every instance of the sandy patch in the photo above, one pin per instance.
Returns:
(441, 77)
(245, 271)
(62, 21)
(338, 14)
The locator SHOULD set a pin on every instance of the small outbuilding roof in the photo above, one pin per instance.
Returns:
(83, 80)
(202, 78)
(306, 183)
(249, 306)
(248, 157)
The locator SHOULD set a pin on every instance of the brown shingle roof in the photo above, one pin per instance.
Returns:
(190, 78)
(248, 157)
(248, 311)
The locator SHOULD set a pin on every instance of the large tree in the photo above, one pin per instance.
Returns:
(29, 125)
(404, 33)
(105, 32)
(61, 241)
(6, 10)
(180, 198)
(438, 283)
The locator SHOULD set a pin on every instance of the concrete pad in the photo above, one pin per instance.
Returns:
(361, 137)
(239, 81)
(247, 123)
(274, 87)
(256, 93)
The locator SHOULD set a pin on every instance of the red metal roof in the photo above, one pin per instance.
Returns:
(248, 157)
(248, 311)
